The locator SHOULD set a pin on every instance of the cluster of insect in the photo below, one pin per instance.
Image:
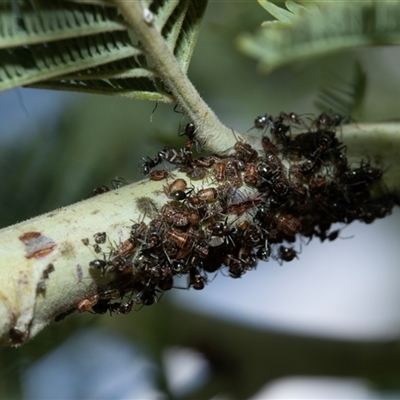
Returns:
(252, 206)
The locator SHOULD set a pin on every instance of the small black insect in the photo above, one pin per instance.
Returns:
(99, 190)
(286, 254)
(98, 265)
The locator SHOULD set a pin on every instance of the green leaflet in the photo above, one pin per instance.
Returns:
(314, 29)
(283, 16)
(68, 45)
(186, 36)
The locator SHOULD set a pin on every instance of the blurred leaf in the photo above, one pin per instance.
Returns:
(345, 98)
(315, 29)
(88, 48)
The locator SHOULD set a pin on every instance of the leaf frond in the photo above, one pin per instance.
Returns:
(130, 89)
(283, 16)
(23, 24)
(86, 46)
(345, 98)
(315, 29)
(23, 66)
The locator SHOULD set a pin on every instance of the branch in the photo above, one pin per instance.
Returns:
(215, 136)
(32, 294)
(46, 261)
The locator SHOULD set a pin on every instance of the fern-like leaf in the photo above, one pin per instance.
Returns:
(25, 23)
(345, 98)
(314, 29)
(85, 46)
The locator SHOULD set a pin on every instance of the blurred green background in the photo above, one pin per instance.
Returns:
(91, 140)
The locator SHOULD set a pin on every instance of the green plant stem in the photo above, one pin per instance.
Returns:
(215, 136)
